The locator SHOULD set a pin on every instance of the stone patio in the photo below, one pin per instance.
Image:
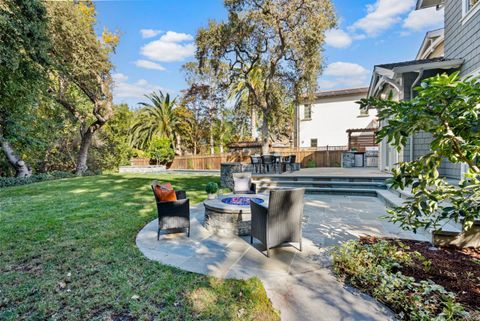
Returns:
(300, 284)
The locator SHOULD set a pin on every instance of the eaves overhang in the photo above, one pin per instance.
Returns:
(423, 4)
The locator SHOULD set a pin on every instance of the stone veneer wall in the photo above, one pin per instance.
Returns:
(227, 170)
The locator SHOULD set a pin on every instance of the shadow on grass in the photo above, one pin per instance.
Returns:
(67, 251)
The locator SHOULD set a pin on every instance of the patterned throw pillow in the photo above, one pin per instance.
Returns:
(166, 186)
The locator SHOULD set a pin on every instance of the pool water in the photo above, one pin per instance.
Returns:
(241, 200)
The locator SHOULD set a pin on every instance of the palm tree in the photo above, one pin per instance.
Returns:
(243, 102)
(157, 118)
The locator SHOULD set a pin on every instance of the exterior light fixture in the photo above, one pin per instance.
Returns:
(363, 113)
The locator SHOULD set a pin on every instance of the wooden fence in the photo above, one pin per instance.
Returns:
(306, 157)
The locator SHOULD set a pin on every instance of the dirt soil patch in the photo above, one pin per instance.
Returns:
(457, 270)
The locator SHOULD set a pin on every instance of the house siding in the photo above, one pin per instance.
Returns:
(422, 140)
(462, 40)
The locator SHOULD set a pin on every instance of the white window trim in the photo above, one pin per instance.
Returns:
(304, 118)
(468, 15)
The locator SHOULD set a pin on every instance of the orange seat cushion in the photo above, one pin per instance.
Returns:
(165, 195)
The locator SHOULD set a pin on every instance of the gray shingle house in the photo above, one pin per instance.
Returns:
(454, 48)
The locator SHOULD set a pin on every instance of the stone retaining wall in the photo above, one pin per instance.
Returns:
(142, 169)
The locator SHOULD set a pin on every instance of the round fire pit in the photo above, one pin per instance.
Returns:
(241, 200)
(229, 215)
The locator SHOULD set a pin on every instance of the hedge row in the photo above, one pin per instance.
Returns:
(42, 177)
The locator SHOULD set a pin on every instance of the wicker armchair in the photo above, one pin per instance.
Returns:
(173, 215)
(281, 222)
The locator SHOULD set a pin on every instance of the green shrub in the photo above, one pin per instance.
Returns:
(211, 188)
(311, 163)
(375, 269)
(160, 149)
(41, 177)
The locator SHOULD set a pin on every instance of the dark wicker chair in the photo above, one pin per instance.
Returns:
(256, 162)
(281, 222)
(289, 162)
(268, 162)
(236, 190)
(173, 215)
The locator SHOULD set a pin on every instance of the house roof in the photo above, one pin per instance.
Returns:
(393, 69)
(433, 39)
(422, 4)
(389, 72)
(342, 92)
(338, 93)
(240, 145)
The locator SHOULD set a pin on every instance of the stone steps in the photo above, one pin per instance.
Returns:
(321, 184)
(329, 185)
(325, 190)
(303, 178)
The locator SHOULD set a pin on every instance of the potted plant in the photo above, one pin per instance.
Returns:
(212, 189)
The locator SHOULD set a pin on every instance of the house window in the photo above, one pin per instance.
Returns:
(314, 142)
(307, 112)
(469, 4)
(470, 7)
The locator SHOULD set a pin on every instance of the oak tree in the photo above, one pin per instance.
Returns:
(82, 81)
(282, 38)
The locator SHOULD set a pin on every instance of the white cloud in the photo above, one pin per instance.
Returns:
(337, 38)
(172, 46)
(382, 15)
(149, 33)
(147, 64)
(172, 36)
(119, 77)
(132, 92)
(344, 74)
(344, 69)
(424, 19)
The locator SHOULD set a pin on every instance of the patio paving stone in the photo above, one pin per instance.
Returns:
(300, 284)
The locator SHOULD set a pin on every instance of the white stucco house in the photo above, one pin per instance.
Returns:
(324, 120)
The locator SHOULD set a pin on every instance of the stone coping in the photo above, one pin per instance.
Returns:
(218, 206)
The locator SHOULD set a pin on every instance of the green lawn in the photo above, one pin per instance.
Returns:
(67, 251)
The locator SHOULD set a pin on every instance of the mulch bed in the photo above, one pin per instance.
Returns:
(457, 270)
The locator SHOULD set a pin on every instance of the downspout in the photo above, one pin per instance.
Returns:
(420, 75)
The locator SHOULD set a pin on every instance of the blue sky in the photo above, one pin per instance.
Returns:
(157, 39)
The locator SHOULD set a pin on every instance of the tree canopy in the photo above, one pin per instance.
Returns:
(23, 72)
(82, 68)
(281, 40)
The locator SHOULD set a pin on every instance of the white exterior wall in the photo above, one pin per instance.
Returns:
(331, 117)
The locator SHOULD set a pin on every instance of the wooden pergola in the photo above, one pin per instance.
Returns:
(366, 138)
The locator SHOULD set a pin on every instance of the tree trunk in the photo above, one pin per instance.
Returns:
(221, 142)
(212, 148)
(179, 145)
(265, 135)
(83, 152)
(253, 129)
(21, 169)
